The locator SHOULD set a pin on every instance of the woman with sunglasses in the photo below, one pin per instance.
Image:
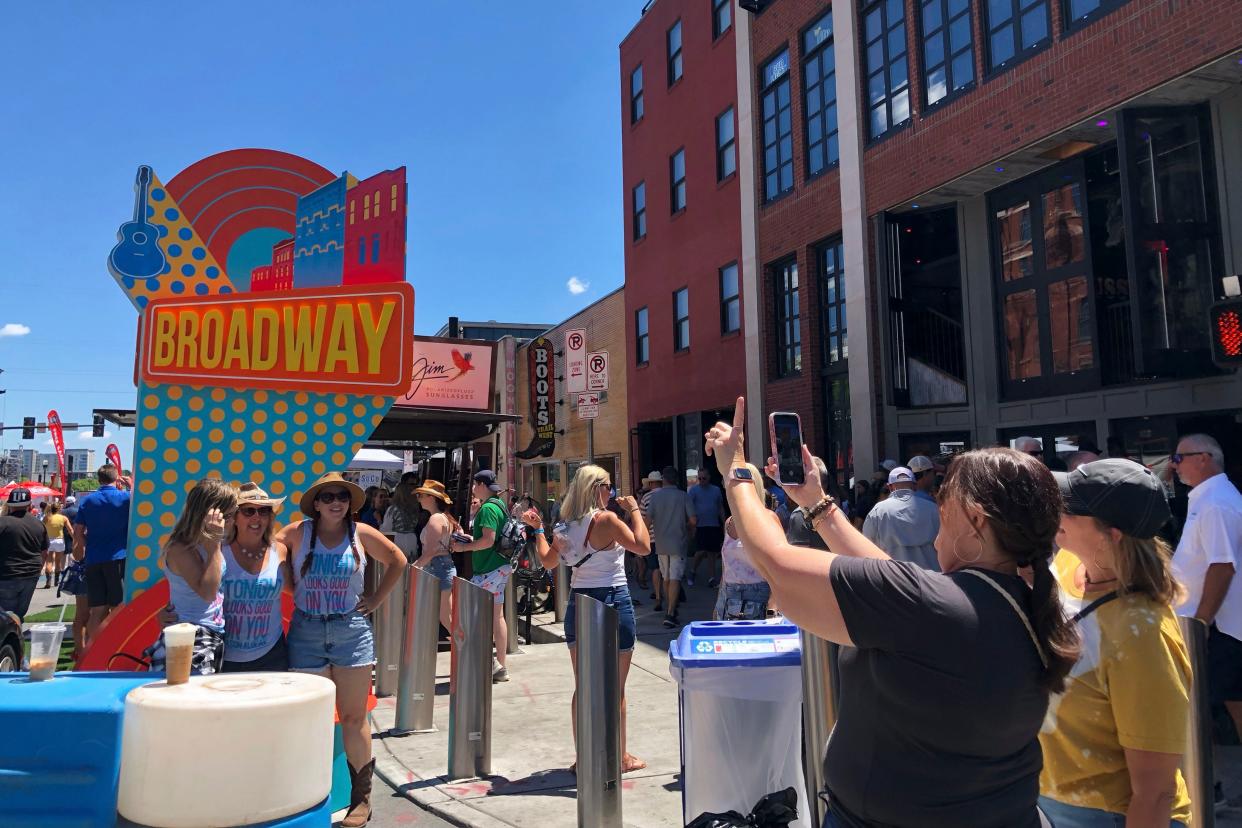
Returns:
(256, 575)
(592, 542)
(330, 634)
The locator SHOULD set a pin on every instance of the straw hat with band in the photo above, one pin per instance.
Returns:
(356, 495)
(251, 494)
(434, 488)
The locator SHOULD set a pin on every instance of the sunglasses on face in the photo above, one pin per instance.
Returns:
(605, 485)
(1180, 456)
(339, 496)
(251, 511)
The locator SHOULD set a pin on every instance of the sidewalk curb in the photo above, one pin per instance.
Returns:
(455, 811)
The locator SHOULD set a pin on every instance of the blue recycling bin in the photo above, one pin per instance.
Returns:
(739, 686)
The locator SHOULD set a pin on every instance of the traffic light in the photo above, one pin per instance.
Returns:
(97, 427)
(1226, 323)
(28, 428)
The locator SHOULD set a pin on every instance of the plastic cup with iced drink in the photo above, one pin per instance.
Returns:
(45, 650)
(178, 652)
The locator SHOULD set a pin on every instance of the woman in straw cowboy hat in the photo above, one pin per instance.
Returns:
(256, 575)
(329, 634)
(436, 541)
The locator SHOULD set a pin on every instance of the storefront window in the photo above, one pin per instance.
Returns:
(1070, 326)
(1015, 238)
(1022, 335)
(1063, 226)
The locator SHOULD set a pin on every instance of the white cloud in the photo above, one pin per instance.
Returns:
(576, 285)
(14, 329)
(49, 442)
(86, 435)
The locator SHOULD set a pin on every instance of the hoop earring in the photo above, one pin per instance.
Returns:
(973, 560)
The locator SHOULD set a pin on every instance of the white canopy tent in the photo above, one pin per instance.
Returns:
(377, 460)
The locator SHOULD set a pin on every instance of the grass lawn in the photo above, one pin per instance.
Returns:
(53, 614)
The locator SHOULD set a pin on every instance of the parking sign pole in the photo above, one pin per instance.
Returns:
(590, 441)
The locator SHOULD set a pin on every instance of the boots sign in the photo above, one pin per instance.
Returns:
(542, 365)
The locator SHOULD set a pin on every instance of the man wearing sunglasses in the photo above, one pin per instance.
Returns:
(1206, 560)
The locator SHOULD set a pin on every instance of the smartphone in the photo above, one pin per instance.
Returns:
(785, 430)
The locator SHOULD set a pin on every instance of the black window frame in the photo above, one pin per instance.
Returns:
(639, 212)
(786, 297)
(1017, 11)
(677, 186)
(834, 311)
(730, 300)
(726, 149)
(642, 336)
(944, 34)
(719, 29)
(891, 92)
(637, 108)
(680, 345)
(1070, 25)
(771, 91)
(822, 82)
(674, 58)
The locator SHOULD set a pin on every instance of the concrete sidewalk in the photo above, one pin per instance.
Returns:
(532, 741)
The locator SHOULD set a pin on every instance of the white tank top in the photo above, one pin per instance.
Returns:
(605, 567)
(252, 620)
(334, 582)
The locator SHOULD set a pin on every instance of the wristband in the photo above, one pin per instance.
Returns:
(820, 509)
(538, 531)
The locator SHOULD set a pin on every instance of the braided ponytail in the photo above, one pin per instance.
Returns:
(310, 552)
(353, 544)
(1055, 631)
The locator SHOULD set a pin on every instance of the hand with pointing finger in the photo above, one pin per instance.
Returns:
(727, 442)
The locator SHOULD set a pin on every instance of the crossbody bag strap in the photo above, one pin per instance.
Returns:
(586, 540)
(1094, 605)
(1026, 622)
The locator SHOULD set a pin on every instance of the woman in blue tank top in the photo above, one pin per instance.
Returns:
(255, 578)
(194, 566)
(329, 634)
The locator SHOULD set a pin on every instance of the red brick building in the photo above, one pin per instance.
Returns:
(686, 356)
(1016, 210)
(375, 229)
(278, 275)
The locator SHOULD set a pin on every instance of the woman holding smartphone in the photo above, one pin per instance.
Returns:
(437, 542)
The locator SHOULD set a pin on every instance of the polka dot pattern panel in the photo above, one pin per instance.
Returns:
(179, 442)
(190, 269)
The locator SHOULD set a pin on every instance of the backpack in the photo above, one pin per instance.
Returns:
(512, 538)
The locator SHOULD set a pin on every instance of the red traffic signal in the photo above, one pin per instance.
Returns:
(1226, 323)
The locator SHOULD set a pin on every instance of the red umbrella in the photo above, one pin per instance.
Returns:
(37, 490)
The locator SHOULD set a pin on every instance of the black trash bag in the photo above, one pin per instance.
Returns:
(775, 810)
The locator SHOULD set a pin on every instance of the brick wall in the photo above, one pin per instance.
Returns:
(604, 324)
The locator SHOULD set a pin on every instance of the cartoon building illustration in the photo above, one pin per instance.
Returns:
(319, 246)
(375, 229)
(277, 276)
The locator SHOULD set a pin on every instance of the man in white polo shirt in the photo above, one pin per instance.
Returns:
(1206, 561)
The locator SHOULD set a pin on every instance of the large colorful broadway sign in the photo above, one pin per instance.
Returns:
(275, 327)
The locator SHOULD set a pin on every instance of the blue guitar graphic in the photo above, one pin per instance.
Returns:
(137, 253)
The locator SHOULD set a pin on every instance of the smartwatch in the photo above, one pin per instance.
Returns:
(741, 473)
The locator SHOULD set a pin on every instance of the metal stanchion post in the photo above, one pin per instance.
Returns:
(819, 714)
(561, 587)
(389, 624)
(599, 715)
(416, 687)
(511, 616)
(1197, 763)
(470, 683)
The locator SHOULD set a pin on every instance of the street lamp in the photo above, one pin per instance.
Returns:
(43, 479)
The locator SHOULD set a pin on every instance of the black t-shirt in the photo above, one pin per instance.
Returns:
(22, 541)
(800, 532)
(940, 701)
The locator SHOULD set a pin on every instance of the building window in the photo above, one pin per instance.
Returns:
(948, 55)
(777, 127)
(352, 202)
(674, 53)
(722, 17)
(681, 319)
(677, 180)
(788, 319)
(636, 95)
(1076, 12)
(377, 204)
(375, 248)
(362, 250)
(832, 303)
(366, 208)
(726, 146)
(1015, 29)
(394, 198)
(888, 71)
(642, 343)
(640, 210)
(819, 80)
(730, 300)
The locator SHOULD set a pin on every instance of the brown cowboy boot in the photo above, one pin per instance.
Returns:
(359, 813)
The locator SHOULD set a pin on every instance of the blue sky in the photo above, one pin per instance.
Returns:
(505, 114)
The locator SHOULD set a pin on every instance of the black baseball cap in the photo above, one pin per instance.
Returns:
(19, 498)
(1119, 492)
(488, 478)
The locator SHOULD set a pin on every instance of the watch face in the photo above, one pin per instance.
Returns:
(743, 474)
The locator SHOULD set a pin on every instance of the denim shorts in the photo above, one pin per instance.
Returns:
(317, 641)
(494, 582)
(743, 601)
(442, 567)
(1063, 815)
(618, 598)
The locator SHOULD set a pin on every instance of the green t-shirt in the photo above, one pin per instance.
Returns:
(491, 515)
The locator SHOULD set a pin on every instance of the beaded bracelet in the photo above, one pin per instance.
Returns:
(820, 509)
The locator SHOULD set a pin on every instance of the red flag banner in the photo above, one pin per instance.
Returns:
(58, 442)
(114, 457)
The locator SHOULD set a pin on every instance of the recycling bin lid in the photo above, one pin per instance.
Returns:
(772, 643)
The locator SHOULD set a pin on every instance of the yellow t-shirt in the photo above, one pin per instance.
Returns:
(55, 526)
(1128, 690)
